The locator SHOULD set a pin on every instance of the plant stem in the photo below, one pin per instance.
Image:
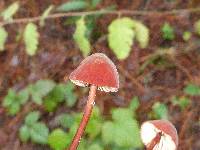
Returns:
(99, 12)
(85, 118)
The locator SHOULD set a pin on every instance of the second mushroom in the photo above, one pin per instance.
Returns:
(98, 72)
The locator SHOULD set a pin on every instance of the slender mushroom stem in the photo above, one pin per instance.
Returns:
(85, 118)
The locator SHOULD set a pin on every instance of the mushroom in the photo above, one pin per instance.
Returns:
(159, 135)
(98, 72)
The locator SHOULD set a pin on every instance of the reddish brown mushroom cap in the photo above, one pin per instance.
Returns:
(169, 137)
(166, 127)
(98, 70)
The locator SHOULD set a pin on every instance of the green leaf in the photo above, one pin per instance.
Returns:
(120, 37)
(45, 15)
(24, 133)
(73, 5)
(65, 120)
(186, 35)
(80, 37)
(3, 38)
(40, 89)
(95, 146)
(23, 96)
(123, 131)
(141, 34)
(127, 134)
(58, 139)
(8, 13)
(192, 90)
(32, 118)
(160, 110)
(10, 98)
(71, 97)
(11, 102)
(31, 37)
(14, 108)
(122, 114)
(108, 132)
(167, 32)
(197, 27)
(55, 96)
(134, 104)
(39, 133)
(182, 102)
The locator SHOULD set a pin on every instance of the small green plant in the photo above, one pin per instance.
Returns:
(160, 111)
(122, 33)
(13, 101)
(40, 89)
(33, 129)
(192, 90)
(57, 139)
(182, 102)
(123, 130)
(167, 32)
(59, 94)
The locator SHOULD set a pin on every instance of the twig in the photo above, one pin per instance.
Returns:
(99, 12)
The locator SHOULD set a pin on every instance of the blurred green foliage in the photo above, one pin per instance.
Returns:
(167, 32)
(33, 129)
(160, 111)
(192, 90)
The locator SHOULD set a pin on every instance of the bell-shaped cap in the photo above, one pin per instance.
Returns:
(98, 70)
(168, 139)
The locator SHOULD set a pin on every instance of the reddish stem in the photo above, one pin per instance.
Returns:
(85, 118)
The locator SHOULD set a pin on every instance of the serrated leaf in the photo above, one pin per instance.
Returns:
(24, 133)
(39, 133)
(127, 134)
(123, 132)
(58, 139)
(3, 38)
(192, 89)
(160, 110)
(73, 5)
(141, 34)
(40, 89)
(8, 13)
(120, 37)
(80, 37)
(32, 118)
(31, 37)
(45, 14)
